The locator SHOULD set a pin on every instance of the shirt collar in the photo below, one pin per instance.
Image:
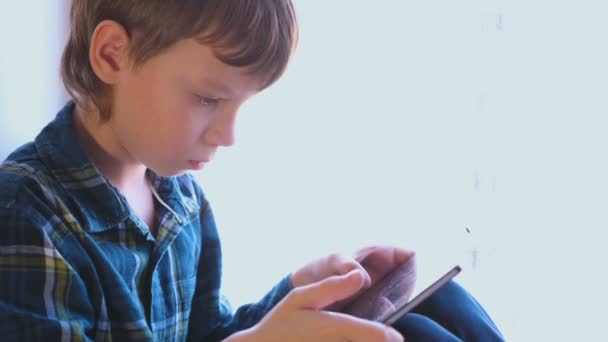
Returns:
(102, 205)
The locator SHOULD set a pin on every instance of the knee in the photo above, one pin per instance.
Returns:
(455, 309)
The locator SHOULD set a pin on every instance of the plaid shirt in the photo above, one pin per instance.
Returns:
(76, 263)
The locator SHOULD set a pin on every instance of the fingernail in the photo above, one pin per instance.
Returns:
(394, 335)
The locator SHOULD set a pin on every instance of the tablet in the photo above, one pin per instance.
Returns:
(392, 316)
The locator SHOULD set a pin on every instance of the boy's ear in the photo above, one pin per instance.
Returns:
(109, 51)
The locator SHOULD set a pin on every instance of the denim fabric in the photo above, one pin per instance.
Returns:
(450, 314)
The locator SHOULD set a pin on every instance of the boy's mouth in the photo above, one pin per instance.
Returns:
(197, 164)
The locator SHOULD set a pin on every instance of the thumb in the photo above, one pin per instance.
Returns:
(328, 291)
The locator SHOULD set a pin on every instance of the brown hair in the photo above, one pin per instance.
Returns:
(259, 34)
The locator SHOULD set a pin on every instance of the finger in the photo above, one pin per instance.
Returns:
(342, 265)
(356, 329)
(402, 255)
(390, 253)
(328, 291)
(360, 254)
(380, 260)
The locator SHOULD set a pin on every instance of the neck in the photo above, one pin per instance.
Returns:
(109, 156)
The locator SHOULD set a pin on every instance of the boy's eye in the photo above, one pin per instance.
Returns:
(208, 101)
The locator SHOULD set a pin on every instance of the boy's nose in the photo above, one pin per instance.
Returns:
(222, 131)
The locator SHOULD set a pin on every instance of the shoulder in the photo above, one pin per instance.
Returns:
(25, 187)
(21, 174)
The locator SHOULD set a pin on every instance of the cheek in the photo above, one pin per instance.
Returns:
(183, 128)
(162, 115)
(147, 93)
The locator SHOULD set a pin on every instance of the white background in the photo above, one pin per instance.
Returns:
(32, 37)
(405, 123)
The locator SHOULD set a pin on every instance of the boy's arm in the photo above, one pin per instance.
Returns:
(211, 317)
(41, 297)
(248, 315)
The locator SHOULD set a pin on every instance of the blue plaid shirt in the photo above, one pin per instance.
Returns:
(76, 263)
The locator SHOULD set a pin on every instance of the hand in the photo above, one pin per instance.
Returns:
(374, 261)
(334, 264)
(393, 274)
(298, 316)
(381, 260)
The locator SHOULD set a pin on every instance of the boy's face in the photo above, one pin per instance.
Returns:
(173, 112)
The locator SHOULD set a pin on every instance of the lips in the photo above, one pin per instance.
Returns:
(197, 164)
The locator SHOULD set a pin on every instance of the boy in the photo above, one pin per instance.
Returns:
(103, 234)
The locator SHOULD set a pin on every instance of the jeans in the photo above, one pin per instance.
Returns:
(450, 314)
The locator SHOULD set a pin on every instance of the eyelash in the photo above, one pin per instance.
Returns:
(207, 101)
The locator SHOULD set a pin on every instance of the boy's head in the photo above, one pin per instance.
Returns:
(169, 75)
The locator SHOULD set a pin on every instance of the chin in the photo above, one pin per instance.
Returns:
(175, 173)
(168, 172)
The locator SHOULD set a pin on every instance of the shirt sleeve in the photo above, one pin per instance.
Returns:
(212, 318)
(41, 296)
